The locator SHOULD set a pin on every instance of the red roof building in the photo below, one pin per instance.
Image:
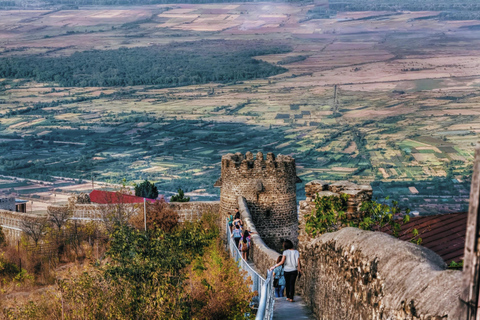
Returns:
(444, 234)
(109, 197)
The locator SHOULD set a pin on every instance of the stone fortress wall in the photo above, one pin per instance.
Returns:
(193, 210)
(263, 256)
(11, 223)
(354, 274)
(348, 274)
(268, 186)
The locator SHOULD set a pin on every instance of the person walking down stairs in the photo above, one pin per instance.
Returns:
(291, 266)
(237, 234)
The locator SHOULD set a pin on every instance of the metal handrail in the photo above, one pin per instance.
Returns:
(264, 287)
(265, 308)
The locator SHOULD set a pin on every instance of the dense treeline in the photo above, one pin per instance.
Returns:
(292, 59)
(172, 65)
(458, 10)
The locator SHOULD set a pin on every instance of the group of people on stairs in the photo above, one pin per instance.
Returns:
(241, 237)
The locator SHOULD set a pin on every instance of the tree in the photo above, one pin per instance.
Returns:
(58, 216)
(146, 189)
(35, 228)
(180, 197)
(116, 214)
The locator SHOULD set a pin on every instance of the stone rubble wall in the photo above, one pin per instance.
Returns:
(359, 275)
(87, 211)
(269, 187)
(11, 223)
(188, 211)
(260, 253)
(353, 274)
(192, 211)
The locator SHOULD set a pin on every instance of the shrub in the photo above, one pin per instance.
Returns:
(180, 197)
(216, 288)
(183, 273)
(159, 215)
(329, 215)
(3, 238)
(7, 268)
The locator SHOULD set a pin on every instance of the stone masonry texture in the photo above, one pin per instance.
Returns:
(193, 210)
(260, 253)
(359, 275)
(268, 185)
(12, 222)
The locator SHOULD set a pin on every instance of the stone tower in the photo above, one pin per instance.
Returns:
(269, 188)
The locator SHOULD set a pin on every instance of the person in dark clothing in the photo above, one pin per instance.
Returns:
(237, 220)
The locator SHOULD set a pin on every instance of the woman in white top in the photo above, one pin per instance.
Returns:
(291, 267)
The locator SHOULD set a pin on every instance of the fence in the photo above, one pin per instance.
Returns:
(264, 301)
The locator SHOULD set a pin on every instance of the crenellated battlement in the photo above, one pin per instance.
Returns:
(243, 163)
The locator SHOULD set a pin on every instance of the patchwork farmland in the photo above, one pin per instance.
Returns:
(385, 99)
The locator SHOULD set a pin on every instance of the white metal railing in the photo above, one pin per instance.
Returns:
(264, 301)
(11, 228)
(265, 308)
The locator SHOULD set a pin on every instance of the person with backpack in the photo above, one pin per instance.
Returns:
(244, 246)
(279, 279)
(237, 234)
(246, 235)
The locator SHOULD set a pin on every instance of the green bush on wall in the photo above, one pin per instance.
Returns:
(329, 215)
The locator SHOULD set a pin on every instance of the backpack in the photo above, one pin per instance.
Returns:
(279, 279)
(245, 246)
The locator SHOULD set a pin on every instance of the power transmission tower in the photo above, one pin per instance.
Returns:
(335, 99)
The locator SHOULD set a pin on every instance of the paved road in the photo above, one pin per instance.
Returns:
(291, 310)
